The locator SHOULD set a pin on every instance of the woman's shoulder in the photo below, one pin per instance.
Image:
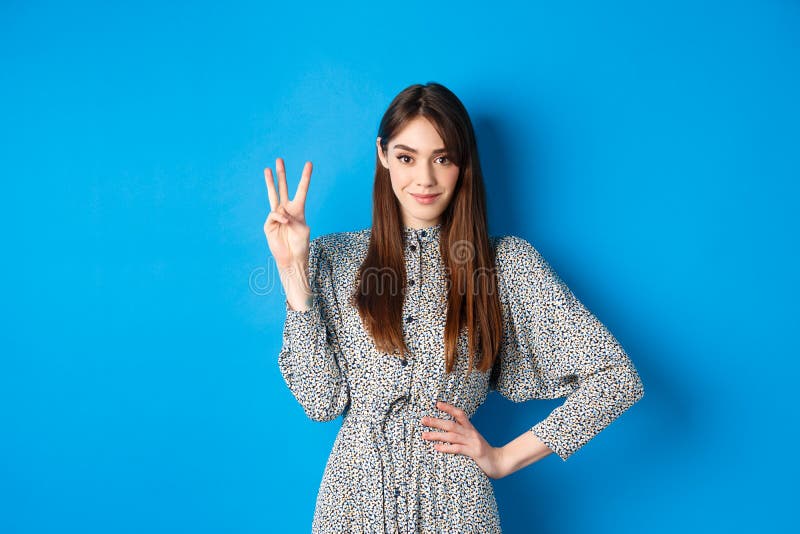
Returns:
(345, 238)
(518, 259)
(342, 247)
(509, 247)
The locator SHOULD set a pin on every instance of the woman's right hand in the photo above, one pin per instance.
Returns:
(286, 229)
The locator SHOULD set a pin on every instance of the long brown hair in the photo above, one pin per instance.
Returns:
(464, 244)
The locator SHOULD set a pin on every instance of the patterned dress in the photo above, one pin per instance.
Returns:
(381, 475)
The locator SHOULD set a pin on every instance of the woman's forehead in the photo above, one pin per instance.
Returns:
(419, 135)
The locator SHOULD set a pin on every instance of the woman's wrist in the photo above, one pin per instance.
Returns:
(521, 452)
(294, 279)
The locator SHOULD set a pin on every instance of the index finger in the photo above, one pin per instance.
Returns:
(457, 413)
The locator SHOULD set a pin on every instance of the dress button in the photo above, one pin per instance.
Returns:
(413, 247)
(397, 492)
(404, 362)
(411, 282)
(423, 233)
(409, 318)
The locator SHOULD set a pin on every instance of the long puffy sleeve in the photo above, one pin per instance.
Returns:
(310, 359)
(554, 347)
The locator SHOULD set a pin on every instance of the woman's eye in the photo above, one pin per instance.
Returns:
(405, 158)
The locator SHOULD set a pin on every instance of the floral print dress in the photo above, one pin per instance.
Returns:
(381, 475)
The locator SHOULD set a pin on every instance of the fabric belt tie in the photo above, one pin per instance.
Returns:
(375, 416)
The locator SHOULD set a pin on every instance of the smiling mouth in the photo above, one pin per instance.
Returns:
(426, 196)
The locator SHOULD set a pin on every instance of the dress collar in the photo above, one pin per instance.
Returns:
(429, 234)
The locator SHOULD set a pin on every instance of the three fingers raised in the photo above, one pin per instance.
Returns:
(282, 195)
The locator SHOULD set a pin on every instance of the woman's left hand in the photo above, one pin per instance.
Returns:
(460, 437)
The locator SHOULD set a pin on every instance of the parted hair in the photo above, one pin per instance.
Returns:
(472, 297)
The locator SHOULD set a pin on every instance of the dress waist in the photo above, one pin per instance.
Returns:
(409, 406)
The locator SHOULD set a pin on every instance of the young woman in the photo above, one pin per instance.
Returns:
(405, 326)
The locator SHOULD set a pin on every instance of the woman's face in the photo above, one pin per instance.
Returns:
(419, 167)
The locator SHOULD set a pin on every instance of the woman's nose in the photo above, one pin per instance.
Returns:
(426, 176)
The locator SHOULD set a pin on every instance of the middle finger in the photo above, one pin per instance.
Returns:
(283, 188)
(446, 437)
(434, 422)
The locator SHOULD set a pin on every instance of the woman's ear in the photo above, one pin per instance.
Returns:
(381, 155)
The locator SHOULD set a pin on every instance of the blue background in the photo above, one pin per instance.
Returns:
(649, 150)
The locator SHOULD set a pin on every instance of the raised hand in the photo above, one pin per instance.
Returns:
(286, 229)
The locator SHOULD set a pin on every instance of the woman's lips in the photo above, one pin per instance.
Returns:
(425, 199)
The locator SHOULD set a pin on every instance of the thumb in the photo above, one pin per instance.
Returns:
(282, 211)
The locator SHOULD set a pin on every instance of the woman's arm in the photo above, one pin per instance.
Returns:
(521, 452)
(555, 347)
(311, 360)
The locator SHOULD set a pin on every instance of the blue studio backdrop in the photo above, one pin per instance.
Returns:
(649, 150)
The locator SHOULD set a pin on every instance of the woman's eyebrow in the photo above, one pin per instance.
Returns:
(414, 150)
